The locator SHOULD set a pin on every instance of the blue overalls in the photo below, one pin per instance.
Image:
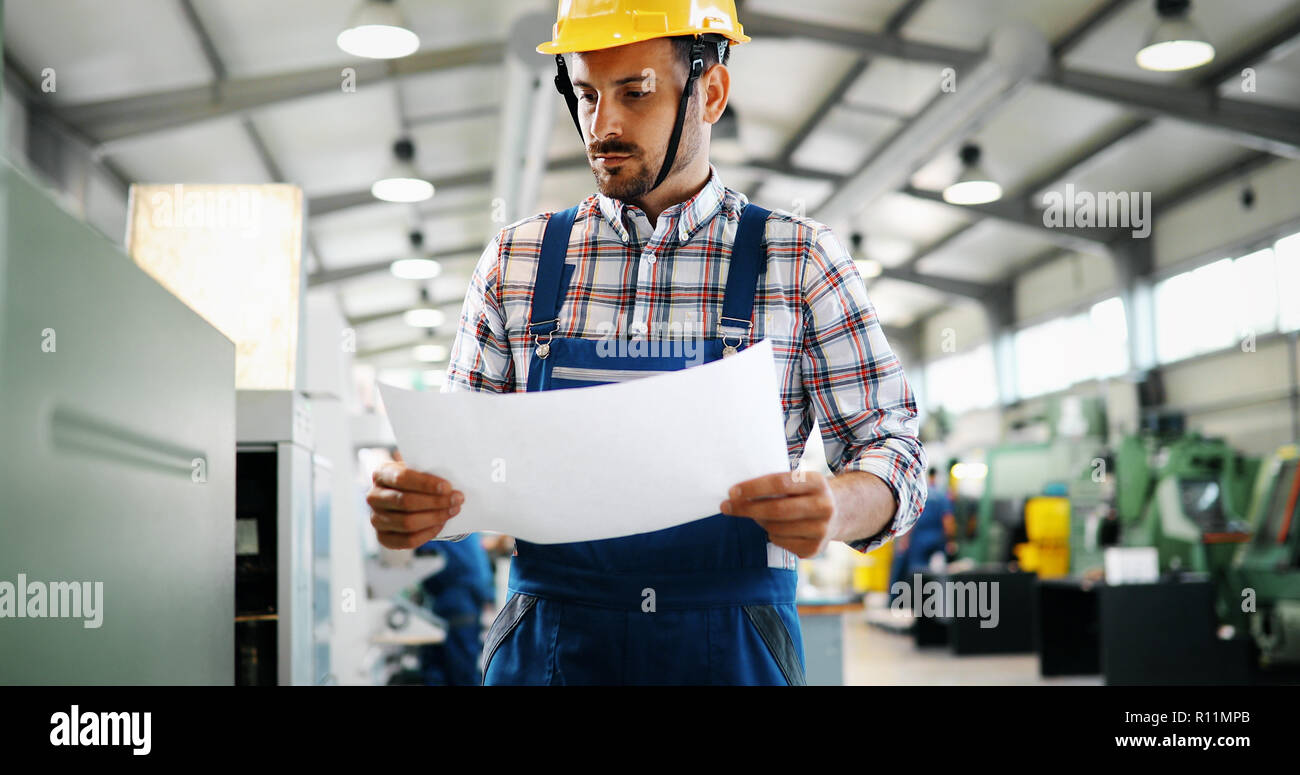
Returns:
(693, 604)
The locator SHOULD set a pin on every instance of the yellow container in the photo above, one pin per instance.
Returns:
(871, 574)
(1047, 519)
(1047, 523)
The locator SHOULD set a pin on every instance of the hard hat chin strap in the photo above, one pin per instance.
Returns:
(565, 87)
(697, 69)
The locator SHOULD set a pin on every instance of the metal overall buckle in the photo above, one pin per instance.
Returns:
(543, 348)
(729, 349)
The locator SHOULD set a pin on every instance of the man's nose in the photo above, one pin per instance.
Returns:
(606, 123)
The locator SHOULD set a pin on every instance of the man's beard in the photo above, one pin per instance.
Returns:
(634, 178)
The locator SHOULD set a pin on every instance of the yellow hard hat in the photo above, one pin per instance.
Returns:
(589, 25)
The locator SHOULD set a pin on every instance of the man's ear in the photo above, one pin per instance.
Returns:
(715, 88)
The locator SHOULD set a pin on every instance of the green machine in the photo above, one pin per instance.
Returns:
(1015, 473)
(1062, 465)
(1189, 498)
(1264, 582)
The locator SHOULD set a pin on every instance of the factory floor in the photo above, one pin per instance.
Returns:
(874, 656)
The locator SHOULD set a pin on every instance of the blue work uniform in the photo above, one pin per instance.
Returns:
(927, 538)
(457, 593)
(693, 604)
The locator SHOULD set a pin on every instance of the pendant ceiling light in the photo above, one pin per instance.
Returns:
(974, 186)
(378, 31)
(1175, 42)
(417, 267)
(429, 353)
(402, 183)
(869, 268)
(425, 315)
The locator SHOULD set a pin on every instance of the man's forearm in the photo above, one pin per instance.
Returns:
(864, 505)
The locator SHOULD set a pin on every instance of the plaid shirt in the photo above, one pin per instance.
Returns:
(653, 282)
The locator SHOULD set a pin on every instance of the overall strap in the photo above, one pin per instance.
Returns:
(545, 313)
(747, 260)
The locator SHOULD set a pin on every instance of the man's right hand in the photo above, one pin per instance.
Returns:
(410, 507)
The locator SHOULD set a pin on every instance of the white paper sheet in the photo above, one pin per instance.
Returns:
(598, 462)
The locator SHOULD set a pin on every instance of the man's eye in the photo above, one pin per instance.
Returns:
(636, 94)
(587, 97)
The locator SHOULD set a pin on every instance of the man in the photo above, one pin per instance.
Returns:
(666, 247)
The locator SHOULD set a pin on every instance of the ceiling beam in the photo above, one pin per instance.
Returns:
(1024, 212)
(861, 42)
(42, 112)
(828, 103)
(1265, 127)
(333, 203)
(937, 245)
(1238, 169)
(948, 285)
(117, 120)
(1270, 128)
(900, 17)
(410, 345)
(395, 312)
(1076, 35)
(325, 277)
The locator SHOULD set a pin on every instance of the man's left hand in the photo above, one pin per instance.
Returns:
(797, 509)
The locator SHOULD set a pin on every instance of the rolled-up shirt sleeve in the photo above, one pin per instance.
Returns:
(480, 356)
(861, 399)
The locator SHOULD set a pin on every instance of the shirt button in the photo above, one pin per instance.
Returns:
(649, 257)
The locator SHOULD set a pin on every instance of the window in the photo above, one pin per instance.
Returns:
(1062, 352)
(1043, 354)
(1219, 304)
(1197, 311)
(1287, 252)
(959, 383)
(1255, 293)
(1109, 338)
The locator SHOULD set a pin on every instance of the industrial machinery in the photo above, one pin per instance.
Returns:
(1017, 473)
(282, 611)
(1265, 577)
(117, 436)
(1188, 498)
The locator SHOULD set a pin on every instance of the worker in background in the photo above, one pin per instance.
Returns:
(664, 251)
(458, 593)
(933, 534)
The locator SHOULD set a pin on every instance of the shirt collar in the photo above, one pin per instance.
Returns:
(690, 215)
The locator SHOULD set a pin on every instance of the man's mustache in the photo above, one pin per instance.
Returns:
(606, 149)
